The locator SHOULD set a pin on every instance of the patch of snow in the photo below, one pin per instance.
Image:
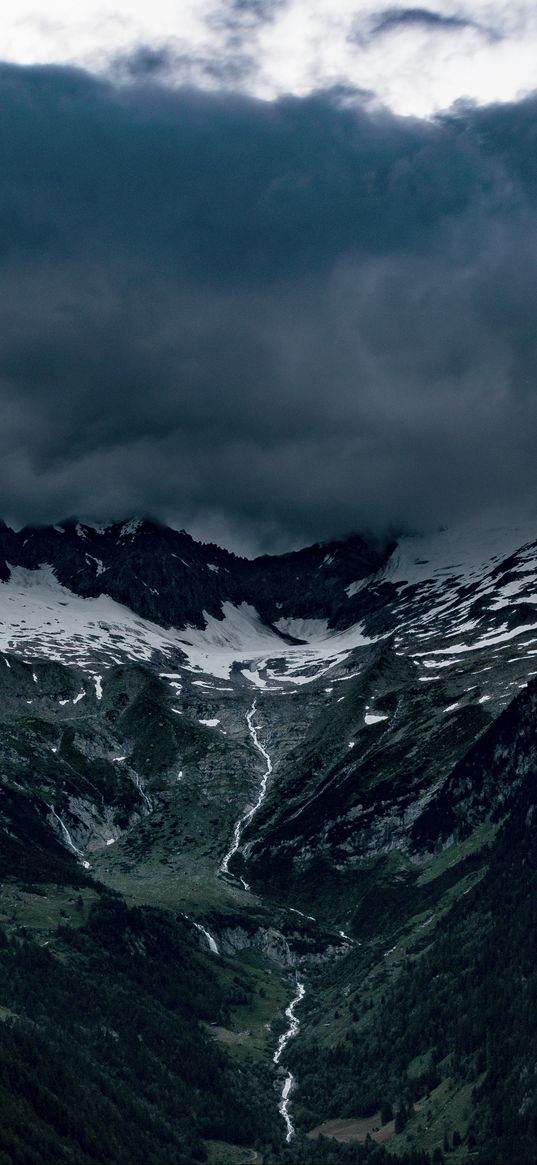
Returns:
(130, 528)
(447, 572)
(210, 723)
(374, 717)
(98, 527)
(356, 587)
(79, 697)
(490, 640)
(44, 618)
(437, 662)
(464, 551)
(241, 637)
(303, 628)
(98, 687)
(40, 617)
(462, 628)
(211, 566)
(100, 567)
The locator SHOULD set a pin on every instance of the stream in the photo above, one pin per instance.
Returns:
(68, 839)
(245, 820)
(294, 1024)
(292, 1031)
(142, 792)
(213, 947)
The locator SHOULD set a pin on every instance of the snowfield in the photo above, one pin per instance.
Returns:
(453, 595)
(39, 617)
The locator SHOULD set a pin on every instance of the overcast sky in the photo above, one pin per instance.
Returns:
(418, 59)
(272, 275)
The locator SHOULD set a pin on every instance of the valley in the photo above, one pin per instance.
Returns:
(304, 782)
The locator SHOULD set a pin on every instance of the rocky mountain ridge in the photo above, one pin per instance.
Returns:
(390, 667)
(166, 577)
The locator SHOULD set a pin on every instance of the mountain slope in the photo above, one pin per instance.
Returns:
(436, 1019)
(313, 764)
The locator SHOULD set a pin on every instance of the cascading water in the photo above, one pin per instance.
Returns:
(240, 826)
(289, 1034)
(68, 839)
(245, 820)
(213, 947)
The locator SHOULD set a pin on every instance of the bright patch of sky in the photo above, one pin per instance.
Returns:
(416, 58)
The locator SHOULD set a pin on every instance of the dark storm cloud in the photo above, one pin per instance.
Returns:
(229, 58)
(288, 319)
(392, 19)
(246, 14)
(176, 63)
(237, 23)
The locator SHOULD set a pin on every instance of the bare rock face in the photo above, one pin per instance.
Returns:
(167, 577)
(268, 941)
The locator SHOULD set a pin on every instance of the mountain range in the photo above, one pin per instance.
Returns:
(257, 804)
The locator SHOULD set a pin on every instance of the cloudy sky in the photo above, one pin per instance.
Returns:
(268, 267)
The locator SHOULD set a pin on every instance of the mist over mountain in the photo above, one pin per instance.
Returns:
(269, 322)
